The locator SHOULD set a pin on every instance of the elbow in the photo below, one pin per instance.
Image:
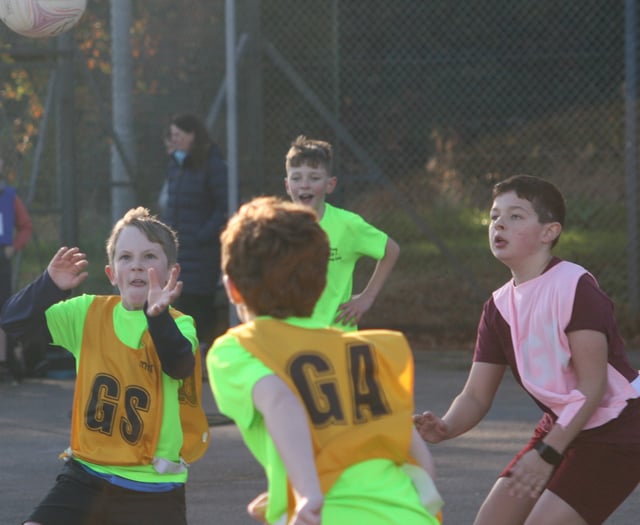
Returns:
(180, 368)
(393, 249)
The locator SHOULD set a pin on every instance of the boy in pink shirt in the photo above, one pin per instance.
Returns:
(556, 330)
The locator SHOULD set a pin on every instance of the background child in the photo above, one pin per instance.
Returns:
(15, 232)
(309, 180)
(326, 413)
(556, 330)
(136, 421)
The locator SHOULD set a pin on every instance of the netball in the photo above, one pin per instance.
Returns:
(41, 18)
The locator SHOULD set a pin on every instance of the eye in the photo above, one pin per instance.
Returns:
(516, 216)
(124, 257)
(150, 256)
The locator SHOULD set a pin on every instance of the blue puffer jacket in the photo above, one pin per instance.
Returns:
(196, 207)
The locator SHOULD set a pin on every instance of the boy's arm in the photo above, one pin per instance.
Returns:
(174, 349)
(352, 311)
(23, 313)
(589, 353)
(287, 424)
(422, 454)
(467, 409)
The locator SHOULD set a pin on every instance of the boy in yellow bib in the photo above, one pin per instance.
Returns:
(137, 421)
(326, 412)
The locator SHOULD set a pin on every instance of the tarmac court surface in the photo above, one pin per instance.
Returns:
(34, 429)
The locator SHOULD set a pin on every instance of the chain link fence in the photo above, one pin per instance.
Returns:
(430, 103)
(427, 104)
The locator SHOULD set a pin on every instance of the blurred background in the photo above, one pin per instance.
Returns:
(427, 104)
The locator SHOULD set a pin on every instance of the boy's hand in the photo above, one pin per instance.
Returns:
(529, 476)
(430, 427)
(351, 312)
(308, 511)
(67, 268)
(159, 298)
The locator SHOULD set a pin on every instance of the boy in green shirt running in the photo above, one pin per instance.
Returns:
(309, 180)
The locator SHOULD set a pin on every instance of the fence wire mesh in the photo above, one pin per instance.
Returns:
(427, 104)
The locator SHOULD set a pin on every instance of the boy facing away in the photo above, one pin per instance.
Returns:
(309, 180)
(137, 420)
(327, 413)
(556, 330)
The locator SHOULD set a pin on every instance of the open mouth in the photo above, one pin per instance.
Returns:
(499, 242)
(305, 198)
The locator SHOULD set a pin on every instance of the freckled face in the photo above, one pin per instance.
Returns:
(309, 186)
(134, 255)
(515, 231)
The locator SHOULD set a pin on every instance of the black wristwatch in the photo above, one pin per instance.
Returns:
(548, 453)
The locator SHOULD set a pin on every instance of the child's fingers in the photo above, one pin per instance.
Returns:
(153, 278)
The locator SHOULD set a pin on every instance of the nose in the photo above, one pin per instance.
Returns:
(137, 263)
(498, 223)
(304, 182)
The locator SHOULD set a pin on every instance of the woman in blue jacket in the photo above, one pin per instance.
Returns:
(195, 205)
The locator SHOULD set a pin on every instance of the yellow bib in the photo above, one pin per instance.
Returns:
(117, 404)
(357, 388)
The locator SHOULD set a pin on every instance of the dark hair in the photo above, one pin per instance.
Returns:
(309, 151)
(202, 143)
(277, 255)
(546, 199)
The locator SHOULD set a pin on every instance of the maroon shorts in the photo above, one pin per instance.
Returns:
(595, 476)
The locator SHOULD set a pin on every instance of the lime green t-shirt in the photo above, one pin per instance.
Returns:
(350, 238)
(375, 492)
(66, 320)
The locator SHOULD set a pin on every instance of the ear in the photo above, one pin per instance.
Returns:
(551, 232)
(235, 297)
(331, 184)
(111, 275)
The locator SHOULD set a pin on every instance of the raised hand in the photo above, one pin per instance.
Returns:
(67, 268)
(160, 297)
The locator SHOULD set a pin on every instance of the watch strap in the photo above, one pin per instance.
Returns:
(548, 453)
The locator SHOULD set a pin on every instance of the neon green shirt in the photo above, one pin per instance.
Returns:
(375, 492)
(350, 238)
(66, 321)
